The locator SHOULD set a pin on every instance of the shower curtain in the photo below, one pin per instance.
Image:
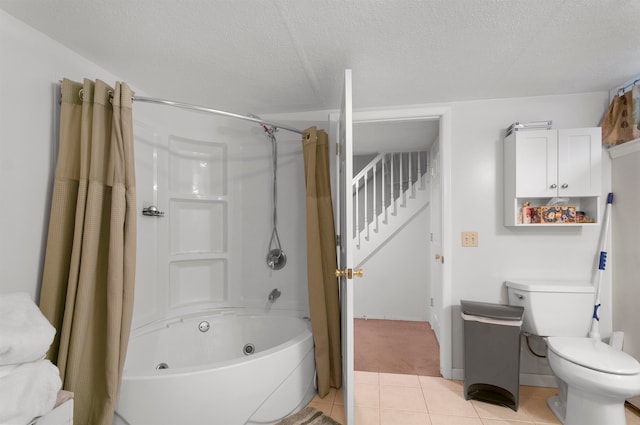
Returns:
(621, 123)
(88, 278)
(324, 304)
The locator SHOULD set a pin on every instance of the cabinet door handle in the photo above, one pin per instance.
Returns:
(553, 186)
(564, 186)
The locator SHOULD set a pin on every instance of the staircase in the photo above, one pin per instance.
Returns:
(389, 191)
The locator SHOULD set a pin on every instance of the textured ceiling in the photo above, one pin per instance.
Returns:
(270, 56)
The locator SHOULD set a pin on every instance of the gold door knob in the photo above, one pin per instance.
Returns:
(349, 273)
(438, 256)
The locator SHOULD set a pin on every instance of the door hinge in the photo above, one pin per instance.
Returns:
(338, 149)
(338, 240)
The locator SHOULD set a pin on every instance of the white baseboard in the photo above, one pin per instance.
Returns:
(457, 374)
(535, 380)
(529, 379)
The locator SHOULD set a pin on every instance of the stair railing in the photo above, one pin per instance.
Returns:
(382, 184)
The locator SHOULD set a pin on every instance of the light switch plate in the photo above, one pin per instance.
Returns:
(470, 239)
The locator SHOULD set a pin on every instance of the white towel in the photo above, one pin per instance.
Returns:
(27, 390)
(25, 334)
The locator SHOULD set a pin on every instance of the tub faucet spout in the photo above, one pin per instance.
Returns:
(274, 295)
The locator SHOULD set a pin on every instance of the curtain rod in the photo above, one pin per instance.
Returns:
(623, 89)
(215, 111)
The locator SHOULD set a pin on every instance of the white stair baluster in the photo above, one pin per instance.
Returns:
(394, 211)
(411, 175)
(356, 182)
(365, 207)
(384, 190)
(420, 172)
(375, 198)
(402, 179)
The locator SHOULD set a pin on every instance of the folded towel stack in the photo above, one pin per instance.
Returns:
(29, 384)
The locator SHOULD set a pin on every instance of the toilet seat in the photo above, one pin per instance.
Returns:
(594, 354)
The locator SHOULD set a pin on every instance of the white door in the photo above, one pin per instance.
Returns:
(436, 241)
(344, 171)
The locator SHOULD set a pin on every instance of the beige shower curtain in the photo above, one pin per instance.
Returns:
(87, 286)
(621, 123)
(324, 301)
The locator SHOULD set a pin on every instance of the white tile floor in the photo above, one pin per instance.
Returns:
(391, 399)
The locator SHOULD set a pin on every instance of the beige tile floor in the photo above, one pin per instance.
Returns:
(392, 399)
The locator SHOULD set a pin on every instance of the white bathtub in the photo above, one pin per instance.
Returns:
(209, 380)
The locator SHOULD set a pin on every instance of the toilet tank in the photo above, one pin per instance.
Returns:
(553, 308)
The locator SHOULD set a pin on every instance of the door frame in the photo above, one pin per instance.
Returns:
(444, 115)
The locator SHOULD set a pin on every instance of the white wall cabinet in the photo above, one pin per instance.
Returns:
(540, 165)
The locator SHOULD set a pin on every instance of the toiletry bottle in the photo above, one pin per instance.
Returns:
(526, 213)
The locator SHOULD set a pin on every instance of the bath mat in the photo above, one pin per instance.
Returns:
(308, 416)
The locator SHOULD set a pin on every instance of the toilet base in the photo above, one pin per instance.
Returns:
(579, 410)
(556, 407)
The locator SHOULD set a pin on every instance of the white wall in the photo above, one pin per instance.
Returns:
(625, 253)
(31, 66)
(395, 284)
(509, 253)
(625, 235)
(625, 174)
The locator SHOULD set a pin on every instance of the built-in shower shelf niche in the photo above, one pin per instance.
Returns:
(197, 168)
(198, 226)
(198, 215)
(196, 280)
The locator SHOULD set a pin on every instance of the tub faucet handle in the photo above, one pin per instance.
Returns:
(274, 295)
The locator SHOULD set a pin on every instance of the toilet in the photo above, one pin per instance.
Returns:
(594, 379)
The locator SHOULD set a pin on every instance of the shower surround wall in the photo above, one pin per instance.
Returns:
(211, 177)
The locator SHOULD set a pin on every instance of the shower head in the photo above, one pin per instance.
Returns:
(270, 130)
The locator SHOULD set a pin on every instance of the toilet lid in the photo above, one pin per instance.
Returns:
(594, 354)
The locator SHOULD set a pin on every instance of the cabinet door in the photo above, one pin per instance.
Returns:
(579, 162)
(536, 163)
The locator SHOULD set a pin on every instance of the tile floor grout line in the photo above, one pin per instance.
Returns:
(424, 397)
(379, 401)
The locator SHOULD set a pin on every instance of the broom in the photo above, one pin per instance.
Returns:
(594, 333)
